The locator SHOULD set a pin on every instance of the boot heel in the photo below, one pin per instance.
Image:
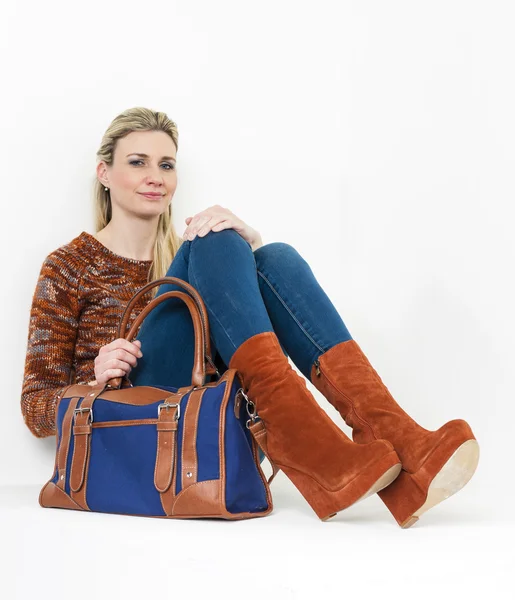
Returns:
(412, 494)
(327, 503)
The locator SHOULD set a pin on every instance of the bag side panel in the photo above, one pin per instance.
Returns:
(244, 488)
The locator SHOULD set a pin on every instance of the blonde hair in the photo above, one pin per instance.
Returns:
(138, 119)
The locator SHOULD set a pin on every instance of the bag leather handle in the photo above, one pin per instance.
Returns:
(200, 371)
(180, 282)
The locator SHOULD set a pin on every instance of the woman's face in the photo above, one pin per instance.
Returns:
(131, 175)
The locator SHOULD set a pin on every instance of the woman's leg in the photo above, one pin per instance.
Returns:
(329, 469)
(303, 317)
(436, 464)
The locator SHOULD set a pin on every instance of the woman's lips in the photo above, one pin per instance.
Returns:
(152, 196)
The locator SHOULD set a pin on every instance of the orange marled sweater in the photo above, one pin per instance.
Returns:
(80, 295)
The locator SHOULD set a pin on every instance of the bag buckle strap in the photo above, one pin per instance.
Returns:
(257, 428)
(82, 409)
(168, 405)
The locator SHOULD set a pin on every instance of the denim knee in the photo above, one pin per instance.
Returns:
(276, 252)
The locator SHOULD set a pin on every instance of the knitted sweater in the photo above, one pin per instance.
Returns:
(80, 295)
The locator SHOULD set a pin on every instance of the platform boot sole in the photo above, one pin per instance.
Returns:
(328, 503)
(421, 491)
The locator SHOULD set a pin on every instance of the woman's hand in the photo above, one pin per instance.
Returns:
(217, 218)
(116, 359)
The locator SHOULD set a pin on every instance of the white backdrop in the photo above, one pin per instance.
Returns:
(376, 137)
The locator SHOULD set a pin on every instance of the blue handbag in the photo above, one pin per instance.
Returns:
(160, 451)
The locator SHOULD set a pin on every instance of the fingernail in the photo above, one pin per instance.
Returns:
(140, 353)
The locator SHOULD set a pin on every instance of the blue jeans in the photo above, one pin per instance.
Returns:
(245, 293)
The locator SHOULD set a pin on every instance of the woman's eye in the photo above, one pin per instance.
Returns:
(172, 167)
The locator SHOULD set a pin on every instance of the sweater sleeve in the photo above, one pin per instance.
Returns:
(52, 333)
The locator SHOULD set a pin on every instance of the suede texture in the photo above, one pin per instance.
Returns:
(350, 383)
(328, 468)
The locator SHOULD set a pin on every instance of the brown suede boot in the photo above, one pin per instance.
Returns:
(327, 467)
(435, 464)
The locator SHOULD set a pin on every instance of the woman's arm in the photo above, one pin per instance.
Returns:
(52, 334)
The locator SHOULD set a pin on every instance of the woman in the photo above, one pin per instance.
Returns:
(264, 304)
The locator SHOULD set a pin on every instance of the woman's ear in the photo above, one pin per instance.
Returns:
(102, 173)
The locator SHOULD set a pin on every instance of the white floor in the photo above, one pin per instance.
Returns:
(460, 549)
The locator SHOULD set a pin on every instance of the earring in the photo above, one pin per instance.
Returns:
(106, 189)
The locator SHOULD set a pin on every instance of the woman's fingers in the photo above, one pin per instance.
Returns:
(120, 344)
(118, 355)
(224, 224)
(116, 363)
(213, 224)
(123, 355)
(195, 225)
(203, 218)
(111, 374)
